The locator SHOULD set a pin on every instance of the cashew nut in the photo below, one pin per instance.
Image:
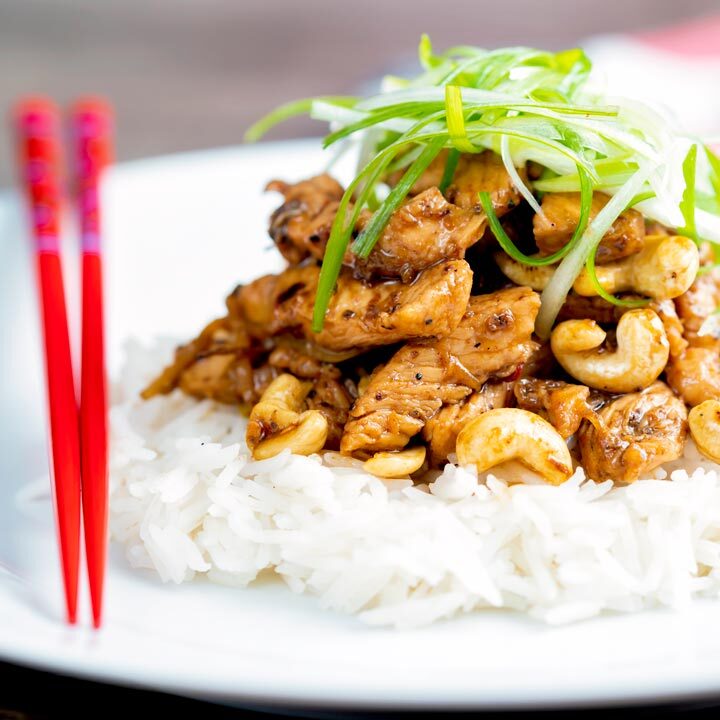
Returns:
(535, 277)
(276, 421)
(665, 268)
(641, 355)
(308, 436)
(704, 421)
(396, 464)
(504, 434)
(573, 336)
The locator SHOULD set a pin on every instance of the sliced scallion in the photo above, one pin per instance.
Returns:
(451, 163)
(687, 204)
(534, 261)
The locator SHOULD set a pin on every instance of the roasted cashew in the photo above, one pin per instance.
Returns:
(504, 434)
(704, 421)
(276, 422)
(308, 436)
(396, 464)
(535, 277)
(641, 355)
(573, 336)
(665, 268)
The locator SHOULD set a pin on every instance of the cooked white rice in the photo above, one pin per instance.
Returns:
(188, 501)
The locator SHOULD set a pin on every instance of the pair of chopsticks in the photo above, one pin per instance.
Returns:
(78, 435)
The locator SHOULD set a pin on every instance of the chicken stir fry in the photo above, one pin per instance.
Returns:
(428, 351)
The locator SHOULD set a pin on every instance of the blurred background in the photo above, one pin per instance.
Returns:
(190, 74)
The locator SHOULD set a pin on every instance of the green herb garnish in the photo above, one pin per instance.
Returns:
(525, 105)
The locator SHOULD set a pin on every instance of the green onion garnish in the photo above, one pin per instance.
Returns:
(288, 110)
(714, 162)
(687, 204)
(449, 171)
(369, 236)
(604, 294)
(525, 105)
(512, 250)
(456, 119)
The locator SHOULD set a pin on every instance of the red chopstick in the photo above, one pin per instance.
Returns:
(92, 133)
(37, 126)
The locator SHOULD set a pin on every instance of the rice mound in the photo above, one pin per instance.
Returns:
(187, 500)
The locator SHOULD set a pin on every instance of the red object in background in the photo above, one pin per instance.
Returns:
(694, 39)
(37, 128)
(92, 136)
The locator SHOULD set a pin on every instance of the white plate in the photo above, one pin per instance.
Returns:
(182, 231)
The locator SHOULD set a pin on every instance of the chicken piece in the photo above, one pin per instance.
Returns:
(693, 371)
(561, 212)
(665, 310)
(696, 305)
(655, 228)
(432, 177)
(359, 315)
(304, 366)
(483, 172)
(225, 378)
(473, 173)
(300, 227)
(695, 375)
(217, 364)
(493, 339)
(421, 233)
(442, 429)
(562, 404)
(580, 307)
(636, 433)
(541, 361)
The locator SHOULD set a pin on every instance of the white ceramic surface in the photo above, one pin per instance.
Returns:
(182, 231)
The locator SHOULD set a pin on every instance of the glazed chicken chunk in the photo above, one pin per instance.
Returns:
(635, 433)
(694, 372)
(474, 173)
(301, 226)
(424, 231)
(563, 404)
(561, 213)
(359, 315)
(492, 341)
(216, 365)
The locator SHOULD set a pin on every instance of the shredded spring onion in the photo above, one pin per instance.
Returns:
(515, 175)
(511, 249)
(526, 105)
(288, 110)
(449, 172)
(553, 296)
(368, 237)
(687, 204)
(456, 119)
